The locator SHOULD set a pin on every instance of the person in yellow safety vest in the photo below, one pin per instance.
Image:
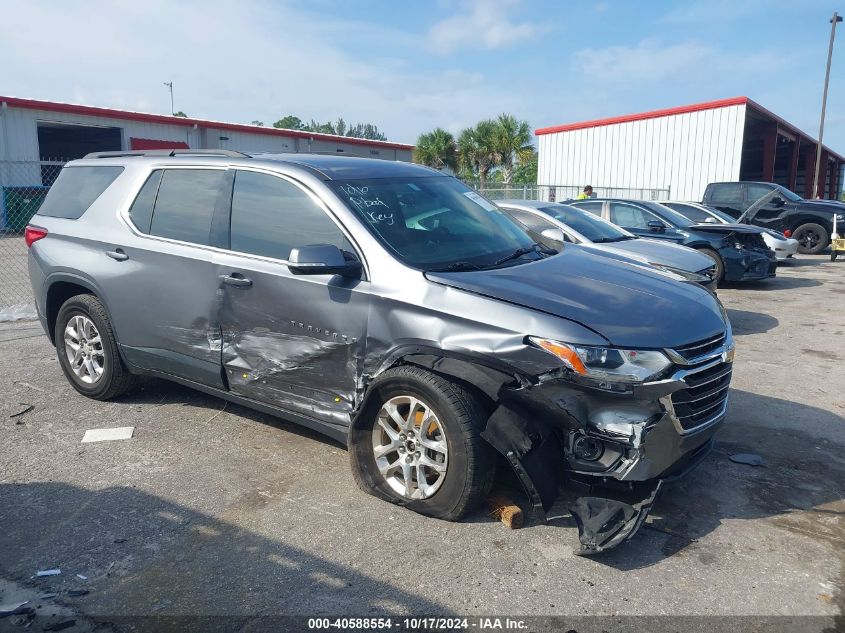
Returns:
(587, 193)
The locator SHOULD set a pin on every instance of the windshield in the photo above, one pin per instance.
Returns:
(590, 226)
(670, 215)
(436, 222)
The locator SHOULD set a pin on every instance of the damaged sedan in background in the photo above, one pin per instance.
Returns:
(390, 307)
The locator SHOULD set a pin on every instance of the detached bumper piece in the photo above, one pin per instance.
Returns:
(611, 519)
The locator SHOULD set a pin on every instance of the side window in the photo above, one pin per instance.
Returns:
(755, 192)
(592, 207)
(726, 193)
(529, 220)
(271, 216)
(141, 211)
(185, 204)
(693, 213)
(630, 216)
(76, 189)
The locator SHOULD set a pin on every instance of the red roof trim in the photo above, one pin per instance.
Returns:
(654, 114)
(70, 108)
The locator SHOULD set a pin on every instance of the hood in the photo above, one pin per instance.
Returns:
(725, 228)
(662, 253)
(830, 206)
(629, 305)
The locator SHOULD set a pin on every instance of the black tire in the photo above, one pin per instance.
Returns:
(115, 378)
(812, 238)
(720, 265)
(471, 461)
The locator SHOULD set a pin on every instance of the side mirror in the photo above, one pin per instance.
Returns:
(778, 202)
(322, 259)
(710, 220)
(656, 226)
(555, 235)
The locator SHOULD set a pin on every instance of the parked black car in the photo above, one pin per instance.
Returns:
(739, 250)
(808, 221)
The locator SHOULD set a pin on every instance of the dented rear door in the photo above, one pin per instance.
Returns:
(292, 341)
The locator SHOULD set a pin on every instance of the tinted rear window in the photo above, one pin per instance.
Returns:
(76, 189)
(141, 210)
(185, 204)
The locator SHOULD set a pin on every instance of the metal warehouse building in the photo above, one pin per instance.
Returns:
(675, 153)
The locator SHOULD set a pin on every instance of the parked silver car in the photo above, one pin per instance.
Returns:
(394, 309)
(784, 247)
(552, 221)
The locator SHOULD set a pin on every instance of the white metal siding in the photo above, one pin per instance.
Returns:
(681, 152)
(19, 136)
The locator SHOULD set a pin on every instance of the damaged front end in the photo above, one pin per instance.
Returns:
(616, 438)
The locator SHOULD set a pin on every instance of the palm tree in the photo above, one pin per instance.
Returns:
(486, 153)
(512, 141)
(467, 153)
(436, 149)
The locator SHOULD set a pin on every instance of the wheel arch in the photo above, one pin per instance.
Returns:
(59, 288)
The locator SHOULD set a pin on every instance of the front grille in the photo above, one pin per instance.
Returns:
(704, 397)
(700, 348)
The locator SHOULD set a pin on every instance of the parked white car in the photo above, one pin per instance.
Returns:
(784, 247)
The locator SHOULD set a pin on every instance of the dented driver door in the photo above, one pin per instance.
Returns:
(292, 341)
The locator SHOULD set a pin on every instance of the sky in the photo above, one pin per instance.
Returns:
(409, 66)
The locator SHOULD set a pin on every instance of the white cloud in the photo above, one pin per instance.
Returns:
(651, 62)
(235, 62)
(483, 24)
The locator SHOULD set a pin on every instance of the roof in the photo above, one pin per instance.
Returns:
(128, 115)
(695, 107)
(352, 168)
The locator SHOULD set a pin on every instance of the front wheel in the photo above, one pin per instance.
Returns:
(812, 238)
(418, 444)
(717, 259)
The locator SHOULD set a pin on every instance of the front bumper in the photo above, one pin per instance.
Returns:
(748, 264)
(637, 439)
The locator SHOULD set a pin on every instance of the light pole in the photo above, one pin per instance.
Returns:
(833, 21)
(169, 84)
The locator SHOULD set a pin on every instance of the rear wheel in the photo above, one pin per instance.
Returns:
(720, 266)
(812, 238)
(417, 444)
(87, 349)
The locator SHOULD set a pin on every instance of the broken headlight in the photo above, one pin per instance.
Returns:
(607, 364)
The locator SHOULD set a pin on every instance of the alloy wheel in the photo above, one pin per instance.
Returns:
(409, 446)
(84, 349)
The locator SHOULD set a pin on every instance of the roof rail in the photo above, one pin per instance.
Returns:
(168, 152)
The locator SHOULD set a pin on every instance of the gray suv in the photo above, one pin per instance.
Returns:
(392, 308)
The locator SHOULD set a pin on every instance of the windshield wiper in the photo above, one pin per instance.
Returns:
(457, 267)
(535, 247)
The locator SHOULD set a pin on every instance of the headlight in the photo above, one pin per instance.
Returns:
(840, 217)
(607, 363)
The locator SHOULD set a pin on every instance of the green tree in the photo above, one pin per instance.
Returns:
(486, 149)
(180, 113)
(525, 172)
(258, 123)
(467, 154)
(512, 142)
(289, 122)
(436, 149)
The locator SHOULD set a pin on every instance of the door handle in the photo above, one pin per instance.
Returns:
(118, 255)
(237, 280)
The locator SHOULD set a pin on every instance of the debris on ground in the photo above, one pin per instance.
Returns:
(81, 577)
(12, 608)
(25, 408)
(77, 593)
(48, 572)
(505, 510)
(107, 435)
(749, 459)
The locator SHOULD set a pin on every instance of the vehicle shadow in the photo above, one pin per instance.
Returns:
(788, 490)
(776, 283)
(747, 322)
(143, 555)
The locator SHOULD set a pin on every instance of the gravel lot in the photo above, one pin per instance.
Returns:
(218, 510)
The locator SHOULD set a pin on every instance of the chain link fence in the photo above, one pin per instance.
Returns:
(23, 186)
(562, 193)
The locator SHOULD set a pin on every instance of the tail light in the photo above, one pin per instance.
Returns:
(32, 234)
(787, 233)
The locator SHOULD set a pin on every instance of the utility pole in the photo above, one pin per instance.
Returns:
(169, 84)
(833, 21)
